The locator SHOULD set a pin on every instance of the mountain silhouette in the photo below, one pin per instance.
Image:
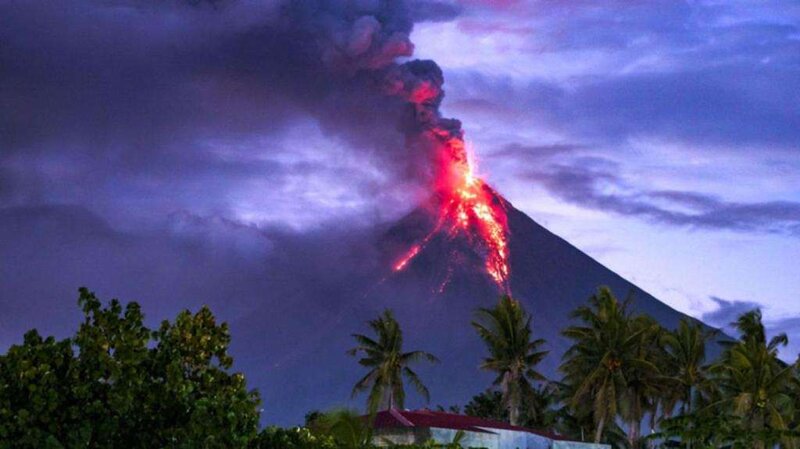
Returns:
(434, 298)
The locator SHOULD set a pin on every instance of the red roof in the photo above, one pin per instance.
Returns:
(428, 418)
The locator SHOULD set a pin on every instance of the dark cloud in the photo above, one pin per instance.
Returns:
(144, 92)
(706, 79)
(518, 152)
(728, 311)
(719, 109)
(276, 287)
(165, 152)
(594, 183)
(434, 11)
(706, 73)
(791, 327)
(715, 106)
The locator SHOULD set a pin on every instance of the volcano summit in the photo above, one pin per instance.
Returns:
(434, 297)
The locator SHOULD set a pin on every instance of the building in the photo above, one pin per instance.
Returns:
(418, 426)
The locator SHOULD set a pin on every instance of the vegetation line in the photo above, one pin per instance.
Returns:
(625, 381)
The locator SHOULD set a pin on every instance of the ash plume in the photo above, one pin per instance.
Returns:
(361, 42)
(136, 85)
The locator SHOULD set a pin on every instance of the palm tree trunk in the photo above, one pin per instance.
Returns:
(633, 433)
(513, 414)
(598, 434)
(760, 443)
(512, 398)
(687, 410)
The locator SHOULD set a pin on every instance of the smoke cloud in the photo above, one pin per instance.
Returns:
(129, 86)
(137, 139)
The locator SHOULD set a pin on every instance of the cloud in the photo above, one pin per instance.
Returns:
(171, 94)
(722, 105)
(722, 109)
(276, 287)
(728, 311)
(594, 183)
(791, 327)
(518, 152)
(703, 73)
(434, 11)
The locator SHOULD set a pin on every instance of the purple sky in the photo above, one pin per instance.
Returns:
(145, 145)
(661, 137)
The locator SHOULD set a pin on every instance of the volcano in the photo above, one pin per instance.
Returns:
(434, 297)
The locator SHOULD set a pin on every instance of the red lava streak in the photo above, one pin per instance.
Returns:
(468, 206)
(407, 257)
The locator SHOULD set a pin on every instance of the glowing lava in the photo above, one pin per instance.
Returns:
(469, 207)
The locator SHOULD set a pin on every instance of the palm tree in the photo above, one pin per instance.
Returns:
(754, 384)
(606, 364)
(796, 393)
(681, 354)
(646, 384)
(686, 360)
(388, 364)
(506, 330)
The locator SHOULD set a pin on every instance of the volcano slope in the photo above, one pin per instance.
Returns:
(303, 366)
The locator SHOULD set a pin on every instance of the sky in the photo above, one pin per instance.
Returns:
(174, 150)
(660, 137)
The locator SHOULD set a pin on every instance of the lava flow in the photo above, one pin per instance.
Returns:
(468, 206)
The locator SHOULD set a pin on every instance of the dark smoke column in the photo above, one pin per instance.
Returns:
(362, 40)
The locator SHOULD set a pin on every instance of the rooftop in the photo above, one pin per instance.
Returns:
(394, 418)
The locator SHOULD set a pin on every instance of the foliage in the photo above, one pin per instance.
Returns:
(755, 385)
(312, 416)
(513, 355)
(745, 399)
(116, 383)
(685, 362)
(609, 364)
(345, 428)
(455, 409)
(538, 408)
(488, 405)
(577, 423)
(293, 438)
(388, 365)
(339, 429)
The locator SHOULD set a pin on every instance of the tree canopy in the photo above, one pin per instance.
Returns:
(117, 383)
(513, 353)
(388, 365)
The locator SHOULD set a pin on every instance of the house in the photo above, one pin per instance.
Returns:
(418, 426)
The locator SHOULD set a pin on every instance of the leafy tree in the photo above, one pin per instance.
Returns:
(116, 383)
(538, 409)
(795, 392)
(488, 405)
(755, 385)
(645, 382)
(606, 366)
(685, 364)
(293, 438)
(455, 409)
(752, 402)
(312, 416)
(702, 429)
(388, 365)
(345, 428)
(513, 355)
